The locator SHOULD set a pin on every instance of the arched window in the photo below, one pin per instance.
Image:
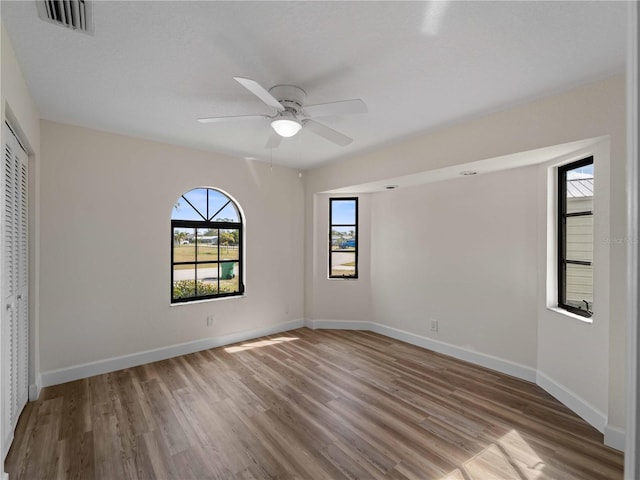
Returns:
(206, 246)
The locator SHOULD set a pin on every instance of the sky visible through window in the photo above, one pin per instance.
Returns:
(580, 172)
(182, 210)
(343, 212)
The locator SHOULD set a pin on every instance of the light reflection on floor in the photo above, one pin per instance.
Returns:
(510, 458)
(261, 343)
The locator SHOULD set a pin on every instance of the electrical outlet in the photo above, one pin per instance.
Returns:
(434, 325)
(211, 320)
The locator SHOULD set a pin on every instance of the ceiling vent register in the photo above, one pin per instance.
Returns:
(72, 14)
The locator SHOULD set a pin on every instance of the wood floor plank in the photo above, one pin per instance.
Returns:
(349, 465)
(76, 454)
(306, 404)
(163, 467)
(163, 410)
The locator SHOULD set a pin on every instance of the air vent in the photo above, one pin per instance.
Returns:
(72, 14)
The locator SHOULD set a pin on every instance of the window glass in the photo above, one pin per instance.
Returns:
(197, 200)
(343, 212)
(579, 238)
(227, 214)
(184, 244)
(182, 210)
(229, 244)
(579, 287)
(228, 274)
(217, 201)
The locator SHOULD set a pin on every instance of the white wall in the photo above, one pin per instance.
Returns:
(586, 112)
(106, 237)
(462, 252)
(573, 354)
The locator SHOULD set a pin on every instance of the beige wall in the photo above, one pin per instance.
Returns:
(105, 240)
(461, 252)
(586, 112)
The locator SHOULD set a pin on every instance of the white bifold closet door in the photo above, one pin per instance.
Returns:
(15, 285)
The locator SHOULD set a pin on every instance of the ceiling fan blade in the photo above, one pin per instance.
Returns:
(274, 141)
(345, 107)
(328, 133)
(259, 91)
(231, 118)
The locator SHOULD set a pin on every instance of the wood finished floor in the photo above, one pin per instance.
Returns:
(310, 405)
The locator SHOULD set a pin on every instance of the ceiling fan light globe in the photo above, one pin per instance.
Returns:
(286, 127)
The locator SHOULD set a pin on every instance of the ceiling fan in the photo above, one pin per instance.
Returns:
(292, 114)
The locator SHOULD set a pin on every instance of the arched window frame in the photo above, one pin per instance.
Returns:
(208, 221)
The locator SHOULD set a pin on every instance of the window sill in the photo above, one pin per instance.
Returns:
(567, 313)
(206, 300)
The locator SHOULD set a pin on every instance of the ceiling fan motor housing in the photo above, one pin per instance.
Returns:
(288, 119)
(290, 97)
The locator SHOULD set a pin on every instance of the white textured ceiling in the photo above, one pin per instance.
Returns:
(152, 68)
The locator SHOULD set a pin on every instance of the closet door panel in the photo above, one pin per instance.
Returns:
(15, 285)
(22, 283)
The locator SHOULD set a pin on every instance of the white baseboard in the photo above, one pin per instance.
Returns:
(577, 404)
(35, 388)
(338, 324)
(614, 437)
(482, 359)
(76, 372)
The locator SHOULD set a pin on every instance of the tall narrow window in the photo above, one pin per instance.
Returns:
(575, 237)
(206, 247)
(343, 238)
